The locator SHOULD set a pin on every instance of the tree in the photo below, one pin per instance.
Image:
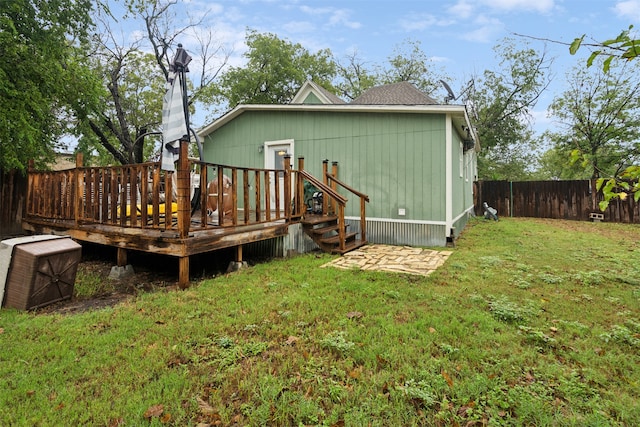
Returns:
(600, 118)
(274, 71)
(41, 76)
(130, 107)
(409, 63)
(552, 165)
(354, 77)
(623, 47)
(502, 100)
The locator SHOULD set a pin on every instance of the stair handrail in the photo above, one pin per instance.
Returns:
(323, 187)
(363, 198)
(342, 202)
(348, 188)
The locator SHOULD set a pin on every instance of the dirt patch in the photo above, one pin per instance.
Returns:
(152, 273)
(120, 290)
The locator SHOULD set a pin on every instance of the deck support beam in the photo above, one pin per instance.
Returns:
(121, 257)
(183, 272)
(239, 253)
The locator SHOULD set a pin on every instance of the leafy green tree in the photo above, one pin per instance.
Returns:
(502, 100)
(409, 63)
(41, 75)
(553, 165)
(123, 126)
(274, 72)
(599, 115)
(131, 107)
(355, 76)
(626, 48)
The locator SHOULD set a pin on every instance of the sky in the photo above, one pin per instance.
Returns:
(457, 35)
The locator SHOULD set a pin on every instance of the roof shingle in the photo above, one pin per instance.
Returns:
(403, 93)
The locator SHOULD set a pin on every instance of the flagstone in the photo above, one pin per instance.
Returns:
(398, 259)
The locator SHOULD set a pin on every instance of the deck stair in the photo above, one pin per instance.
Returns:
(324, 230)
(325, 222)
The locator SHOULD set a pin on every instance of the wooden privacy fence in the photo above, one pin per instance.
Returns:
(574, 200)
(13, 188)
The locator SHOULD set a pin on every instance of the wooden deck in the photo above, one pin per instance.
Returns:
(139, 207)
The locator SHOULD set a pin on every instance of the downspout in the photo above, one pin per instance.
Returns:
(448, 175)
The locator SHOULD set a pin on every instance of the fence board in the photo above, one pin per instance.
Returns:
(573, 200)
(13, 190)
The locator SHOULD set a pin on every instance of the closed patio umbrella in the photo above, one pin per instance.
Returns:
(175, 111)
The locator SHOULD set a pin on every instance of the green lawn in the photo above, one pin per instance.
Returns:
(530, 322)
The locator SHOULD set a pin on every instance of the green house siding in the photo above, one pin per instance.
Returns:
(397, 159)
(458, 181)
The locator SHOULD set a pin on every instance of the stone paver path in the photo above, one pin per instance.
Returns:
(397, 259)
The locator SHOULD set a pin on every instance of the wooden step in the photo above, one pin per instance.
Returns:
(350, 246)
(318, 219)
(336, 239)
(322, 230)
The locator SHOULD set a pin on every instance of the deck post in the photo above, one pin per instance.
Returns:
(184, 210)
(287, 186)
(325, 181)
(239, 253)
(334, 186)
(300, 208)
(183, 190)
(121, 257)
(77, 203)
(183, 272)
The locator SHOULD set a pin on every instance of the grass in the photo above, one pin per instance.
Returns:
(530, 322)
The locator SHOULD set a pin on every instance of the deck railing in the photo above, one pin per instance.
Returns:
(198, 196)
(145, 197)
(256, 195)
(132, 196)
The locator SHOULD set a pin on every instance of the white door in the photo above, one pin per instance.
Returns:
(274, 154)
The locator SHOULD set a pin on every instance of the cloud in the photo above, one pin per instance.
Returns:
(542, 6)
(439, 59)
(487, 31)
(462, 9)
(316, 11)
(629, 9)
(335, 17)
(418, 23)
(421, 22)
(341, 17)
(297, 27)
(465, 9)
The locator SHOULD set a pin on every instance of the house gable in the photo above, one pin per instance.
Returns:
(312, 93)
